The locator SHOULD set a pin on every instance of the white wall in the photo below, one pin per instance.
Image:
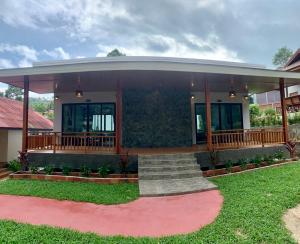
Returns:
(14, 144)
(91, 97)
(292, 89)
(220, 97)
(3, 145)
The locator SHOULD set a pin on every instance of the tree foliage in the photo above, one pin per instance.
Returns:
(115, 53)
(14, 93)
(282, 56)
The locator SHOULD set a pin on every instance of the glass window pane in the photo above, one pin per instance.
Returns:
(215, 117)
(225, 117)
(236, 116)
(200, 118)
(80, 118)
(68, 116)
(95, 117)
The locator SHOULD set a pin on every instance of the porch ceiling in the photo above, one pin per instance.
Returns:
(102, 74)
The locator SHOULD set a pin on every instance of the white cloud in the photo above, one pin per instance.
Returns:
(57, 53)
(210, 48)
(5, 64)
(25, 55)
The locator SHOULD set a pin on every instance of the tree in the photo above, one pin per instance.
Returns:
(14, 93)
(115, 53)
(1, 94)
(282, 56)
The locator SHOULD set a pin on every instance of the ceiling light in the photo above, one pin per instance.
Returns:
(232, 94)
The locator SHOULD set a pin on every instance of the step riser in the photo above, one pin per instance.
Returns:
(166, 163)
(167, 157)
(169, 176)
(149, 170)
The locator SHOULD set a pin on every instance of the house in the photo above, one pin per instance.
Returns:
(271, 99)
(109, 106)
(11, 123)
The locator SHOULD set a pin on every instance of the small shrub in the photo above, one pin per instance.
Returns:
(269, 159)
(14, 165)
(257, 160)
(66, 170)
(243, 163)
(85, 171)
(279, 155)
(291, 147)
(124, 161)
(49, 170)
(103, 171)
(34, 169)
(228, 165)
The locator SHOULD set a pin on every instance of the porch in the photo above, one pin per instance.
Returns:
(84, 143)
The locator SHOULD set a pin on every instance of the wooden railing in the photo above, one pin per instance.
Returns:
(57, 141)
(246, 138)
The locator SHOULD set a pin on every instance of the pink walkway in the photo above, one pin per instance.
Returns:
(149, 216)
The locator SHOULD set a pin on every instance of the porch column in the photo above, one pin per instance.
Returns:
(283, 111)
(119, 118)
(25, 114)
(208, 115)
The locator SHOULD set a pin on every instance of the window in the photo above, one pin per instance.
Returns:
(224, 116)
(94, 117)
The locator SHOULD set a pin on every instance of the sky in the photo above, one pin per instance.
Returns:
(232, 30)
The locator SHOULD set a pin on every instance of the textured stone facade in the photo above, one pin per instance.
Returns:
(157, 117)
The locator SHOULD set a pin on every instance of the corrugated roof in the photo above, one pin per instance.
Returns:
(11, 116)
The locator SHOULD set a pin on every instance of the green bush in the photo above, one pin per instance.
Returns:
(243, 163)
(229, 165)
(279, 155)
(104, 171)
(257, 160)
(49, 170)
(66, 170)
(85, 171)
(34, 169)
(14, 165)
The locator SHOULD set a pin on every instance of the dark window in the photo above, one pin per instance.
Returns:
(224, 116)
(96, 117)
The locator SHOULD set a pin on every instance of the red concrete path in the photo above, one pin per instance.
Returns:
(149, 216)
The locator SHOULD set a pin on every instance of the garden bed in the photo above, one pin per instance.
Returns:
(75, 177)
(245, 167)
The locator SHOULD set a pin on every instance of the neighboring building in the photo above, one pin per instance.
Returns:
(272, 99)
(109, 106)
(11, 123)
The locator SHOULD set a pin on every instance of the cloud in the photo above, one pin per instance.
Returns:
(57, 53)
(167, 46)
(5, 63)
(227, 29)
(24, 56)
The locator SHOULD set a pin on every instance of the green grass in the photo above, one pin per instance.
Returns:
(75, 191)
(252, 212)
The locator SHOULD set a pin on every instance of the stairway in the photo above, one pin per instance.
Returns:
(170, 174)
(4, 172)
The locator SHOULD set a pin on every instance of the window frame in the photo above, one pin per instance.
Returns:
(88, 115)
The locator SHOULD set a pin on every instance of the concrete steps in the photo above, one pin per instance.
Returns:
(170, 174)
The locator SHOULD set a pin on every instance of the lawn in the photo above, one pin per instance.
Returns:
(75, 191)
(253, 207)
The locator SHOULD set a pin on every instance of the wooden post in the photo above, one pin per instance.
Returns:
(25, 114)
(208, 116)
(119, 117)
(54, 142)
(283, 111)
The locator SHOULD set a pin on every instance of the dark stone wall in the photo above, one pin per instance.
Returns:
(75, 161)
(156, 117)
(203, 158)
